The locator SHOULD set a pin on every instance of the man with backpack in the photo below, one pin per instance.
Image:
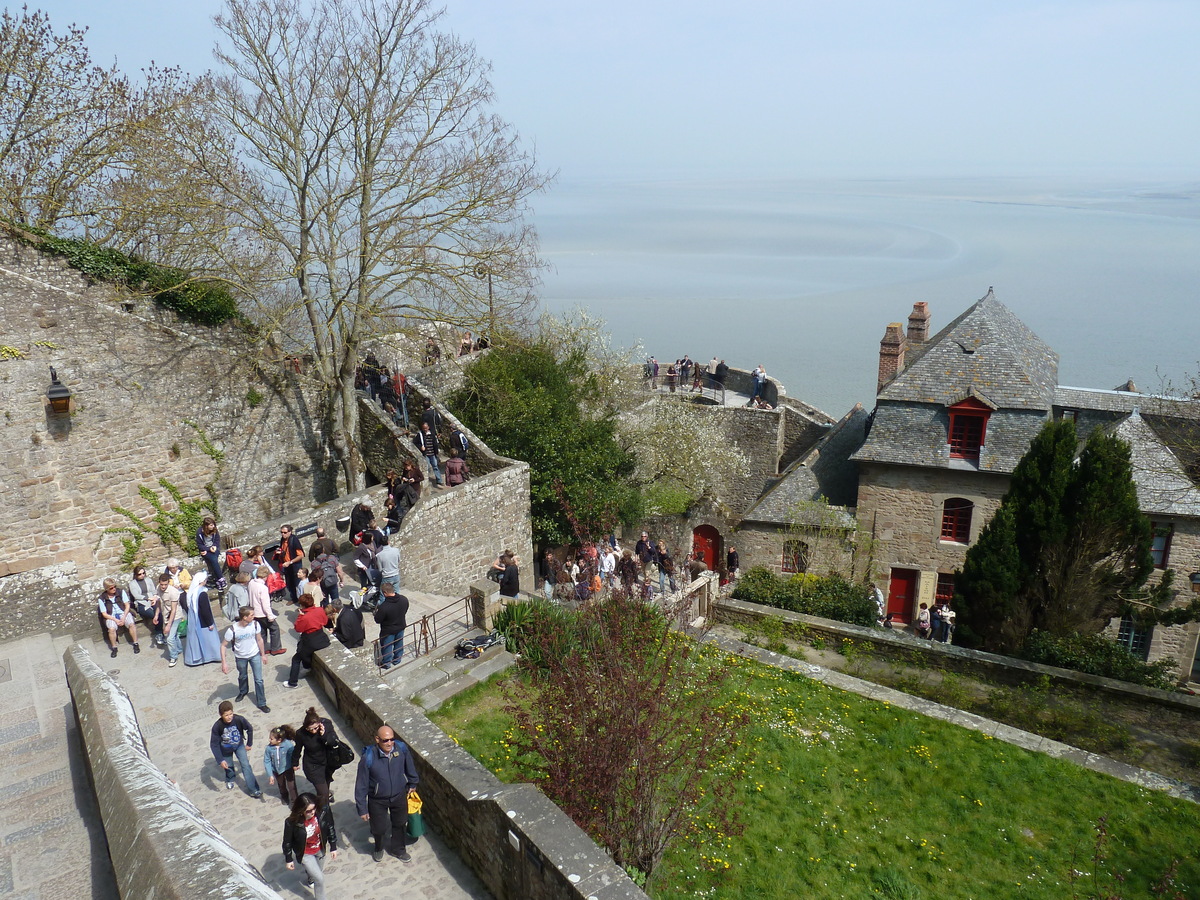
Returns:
(332, 576)
(386, 778)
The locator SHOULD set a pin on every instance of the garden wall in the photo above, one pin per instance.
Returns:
(520, 844)
(162, 846)
(990, 666)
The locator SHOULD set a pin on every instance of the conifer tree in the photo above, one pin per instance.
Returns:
(1067, 549)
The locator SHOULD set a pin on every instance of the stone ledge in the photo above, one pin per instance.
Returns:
(517, 841)
(960, 659)
(161, 845)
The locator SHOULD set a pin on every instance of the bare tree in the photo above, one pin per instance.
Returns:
(380, 182)
(70, 129)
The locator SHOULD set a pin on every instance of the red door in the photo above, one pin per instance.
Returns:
(706, 540)
(902, 594)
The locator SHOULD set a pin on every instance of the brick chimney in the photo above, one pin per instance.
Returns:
(918, 324)
(891, 354)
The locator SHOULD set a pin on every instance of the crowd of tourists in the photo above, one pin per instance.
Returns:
(685, 375)
(647, 570)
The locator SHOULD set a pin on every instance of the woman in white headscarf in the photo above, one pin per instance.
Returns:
(203, 643)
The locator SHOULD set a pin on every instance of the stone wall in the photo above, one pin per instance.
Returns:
(902, 508)
(763, 545)
(136, 373)
(162, 846)
(521, 845)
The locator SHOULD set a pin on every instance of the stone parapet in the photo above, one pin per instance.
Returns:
(1005, 669)
(517, 841)
(162, 847)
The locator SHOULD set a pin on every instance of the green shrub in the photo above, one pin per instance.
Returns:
(518, 621)
(831, 597)
(1095, 654)
(201, 302)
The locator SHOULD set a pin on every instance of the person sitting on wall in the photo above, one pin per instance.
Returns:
(362, 518)
(115, 614)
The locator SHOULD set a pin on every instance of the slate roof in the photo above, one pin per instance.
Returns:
(826, 471)
(1166, 463)
(915, 434)
(986, 348)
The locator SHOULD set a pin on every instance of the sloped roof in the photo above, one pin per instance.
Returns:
(1164, 468)
(987, 350)
(826, 471)
(915, 434)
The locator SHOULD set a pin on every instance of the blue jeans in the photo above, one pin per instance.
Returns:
(243, 761)
(254, 663)
(433, 467)
(174, 642)
(393, 580)
(391, 649)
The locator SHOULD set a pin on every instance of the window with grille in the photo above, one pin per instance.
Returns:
(795, 556)
(1160, 546)
(968, 427)
(956, 520)
(945, 587)
(1134, 638)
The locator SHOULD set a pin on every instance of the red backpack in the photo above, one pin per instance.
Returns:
(233, 559)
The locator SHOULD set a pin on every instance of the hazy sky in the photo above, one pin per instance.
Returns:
(798, 88)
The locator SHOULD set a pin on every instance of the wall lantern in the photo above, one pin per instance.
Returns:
(59, 395)
(1194, 578)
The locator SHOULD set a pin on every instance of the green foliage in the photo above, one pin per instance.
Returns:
(1096, 655)
(1066, 547)
(254, 398)
(520, 621)
(527, 403)
(665, 498)
(831, 597)
(201, 302)
(176, 519)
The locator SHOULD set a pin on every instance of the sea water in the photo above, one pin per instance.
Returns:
(804, 277)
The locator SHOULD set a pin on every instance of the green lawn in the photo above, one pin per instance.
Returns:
(844, 797)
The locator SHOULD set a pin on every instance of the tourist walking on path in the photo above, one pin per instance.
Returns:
(248, 651)
(310, 625)
(732, 562)
(232, 737)
(392, 618)
(666, 568)
(279, 762)
(510, 578)
(202, 644)
(115, 614)
(144, 596)
(264, 613)
(627, 571)
(308, 830)
(173, 614)
(387, 560)
(427, 442)
(208, 546)
(237, 596)
(317, 742)
(386, 777)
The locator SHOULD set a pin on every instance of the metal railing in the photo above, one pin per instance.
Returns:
(710, 388)
(421, 637)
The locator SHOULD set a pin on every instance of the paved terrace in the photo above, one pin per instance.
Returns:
(51, 842)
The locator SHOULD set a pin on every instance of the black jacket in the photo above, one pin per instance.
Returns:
(349, 628)
(294, 835)
(510, 580)
(392, 615)
(313, 747)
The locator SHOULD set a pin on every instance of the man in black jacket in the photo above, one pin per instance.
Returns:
(391, 616)
(386, 776)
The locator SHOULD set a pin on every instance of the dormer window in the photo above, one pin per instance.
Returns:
(968, 428)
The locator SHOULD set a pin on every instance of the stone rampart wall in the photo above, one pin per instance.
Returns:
(991, 666)
(162, 846)
(136, 373)
(521, 845)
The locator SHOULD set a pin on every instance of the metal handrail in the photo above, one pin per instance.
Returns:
(421, 637)
(709, 387)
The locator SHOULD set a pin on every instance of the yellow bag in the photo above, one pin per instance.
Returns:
(414, 803)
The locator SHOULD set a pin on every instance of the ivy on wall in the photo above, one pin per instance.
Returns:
(176, 519)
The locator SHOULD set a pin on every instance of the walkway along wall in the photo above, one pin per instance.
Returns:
(517, 841)
(162, 847)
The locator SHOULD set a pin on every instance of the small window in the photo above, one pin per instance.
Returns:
(968, 427)
(795, 556)
(956, 520)
(945, 587)
(1160, 545)
(1134, 638)
(1069, 415)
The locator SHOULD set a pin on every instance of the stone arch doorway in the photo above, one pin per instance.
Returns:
(706, 541)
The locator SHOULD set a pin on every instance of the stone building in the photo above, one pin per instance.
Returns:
(953, 416)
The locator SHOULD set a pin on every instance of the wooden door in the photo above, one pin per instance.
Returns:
(902, 594)
(706, 540)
